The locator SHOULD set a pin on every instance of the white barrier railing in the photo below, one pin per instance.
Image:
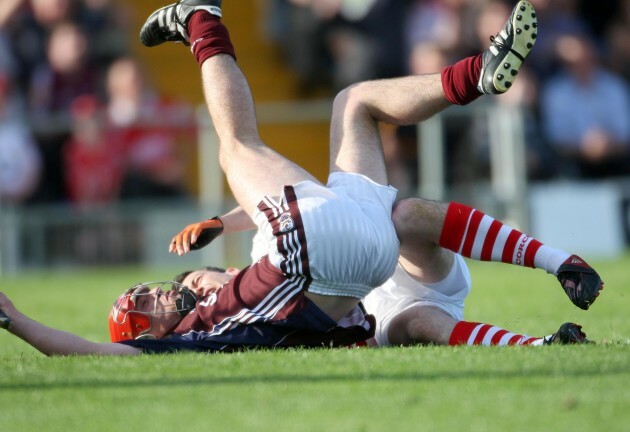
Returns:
(508, 185)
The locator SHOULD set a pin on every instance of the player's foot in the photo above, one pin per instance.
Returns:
(581, 283)
(503, 59)
(168, 24)
(569, 333)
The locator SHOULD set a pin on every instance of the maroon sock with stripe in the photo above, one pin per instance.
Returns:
(475, 235)
(208, 37)
(459, 81)
(474, 333)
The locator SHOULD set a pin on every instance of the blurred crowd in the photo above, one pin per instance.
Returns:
(80, 123)
(574, 90)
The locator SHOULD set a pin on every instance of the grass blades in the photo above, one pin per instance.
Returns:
(559, 388)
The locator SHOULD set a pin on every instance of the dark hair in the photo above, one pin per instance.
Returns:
(180, 277)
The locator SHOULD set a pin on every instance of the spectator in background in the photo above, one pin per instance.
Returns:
(61, 76)
(438, 22)
(299, 34)
(65, 74)
(20, 162)
(433, 35)
(93, 170)
(375, 24)
(154, 170)
(145, 126)
(93, 157)
(8, 10)
(400, 144)
(108, 22)
(340, 42)
(523, 96)
(586, 109)
(560, 17)
(27, 25)
(58, 61)
(618, 41)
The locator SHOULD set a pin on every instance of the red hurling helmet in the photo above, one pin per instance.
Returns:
(126, 322)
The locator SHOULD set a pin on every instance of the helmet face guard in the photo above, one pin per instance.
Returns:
(126, 322)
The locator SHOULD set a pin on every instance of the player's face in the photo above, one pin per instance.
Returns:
(204, 282)
(162, 309)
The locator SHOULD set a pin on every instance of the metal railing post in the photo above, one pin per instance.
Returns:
(508, 166)
(430, 144)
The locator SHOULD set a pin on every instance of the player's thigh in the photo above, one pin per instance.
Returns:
(355, 144)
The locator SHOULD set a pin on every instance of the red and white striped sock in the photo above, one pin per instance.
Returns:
(475, 235)
(473, 333)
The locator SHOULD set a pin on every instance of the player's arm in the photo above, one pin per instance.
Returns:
(200, 234)
(50, 341)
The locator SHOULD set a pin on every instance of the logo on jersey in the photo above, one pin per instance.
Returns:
(209, 301)
(286, 222)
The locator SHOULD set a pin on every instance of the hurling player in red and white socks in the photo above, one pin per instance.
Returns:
(423, 301)
(311, 289)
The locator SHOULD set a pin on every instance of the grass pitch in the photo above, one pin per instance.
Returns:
(558, 388)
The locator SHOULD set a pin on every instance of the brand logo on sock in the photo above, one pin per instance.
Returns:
(194, 44)
(576, 261)
(521, 249)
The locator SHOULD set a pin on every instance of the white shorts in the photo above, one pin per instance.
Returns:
(339, 236)
(402, 292)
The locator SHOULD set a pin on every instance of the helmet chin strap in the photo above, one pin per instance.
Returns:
(186, 302)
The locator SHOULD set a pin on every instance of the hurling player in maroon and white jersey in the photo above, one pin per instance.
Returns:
(327, 246)
(423, 301)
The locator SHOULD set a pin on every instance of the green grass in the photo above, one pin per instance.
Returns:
(556, 388)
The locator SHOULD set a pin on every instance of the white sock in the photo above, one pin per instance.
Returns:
(550, 259)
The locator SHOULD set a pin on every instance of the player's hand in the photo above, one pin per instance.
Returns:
(195, 236)
(5, 303)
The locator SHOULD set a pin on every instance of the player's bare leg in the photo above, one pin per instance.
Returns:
(431, 231)
(253, 170)
(355, 144)
(423, 325)
(355, 140)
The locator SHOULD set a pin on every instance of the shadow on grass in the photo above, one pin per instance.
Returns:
(313, 379)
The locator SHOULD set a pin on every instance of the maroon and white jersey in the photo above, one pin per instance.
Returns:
(335, 240)
(259, 292)
(340, 236)
(262, 307)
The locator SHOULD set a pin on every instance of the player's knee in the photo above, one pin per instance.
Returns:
(416, 216)
(347, 99)
(409, 329)
(421, 325)
(403, 217)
